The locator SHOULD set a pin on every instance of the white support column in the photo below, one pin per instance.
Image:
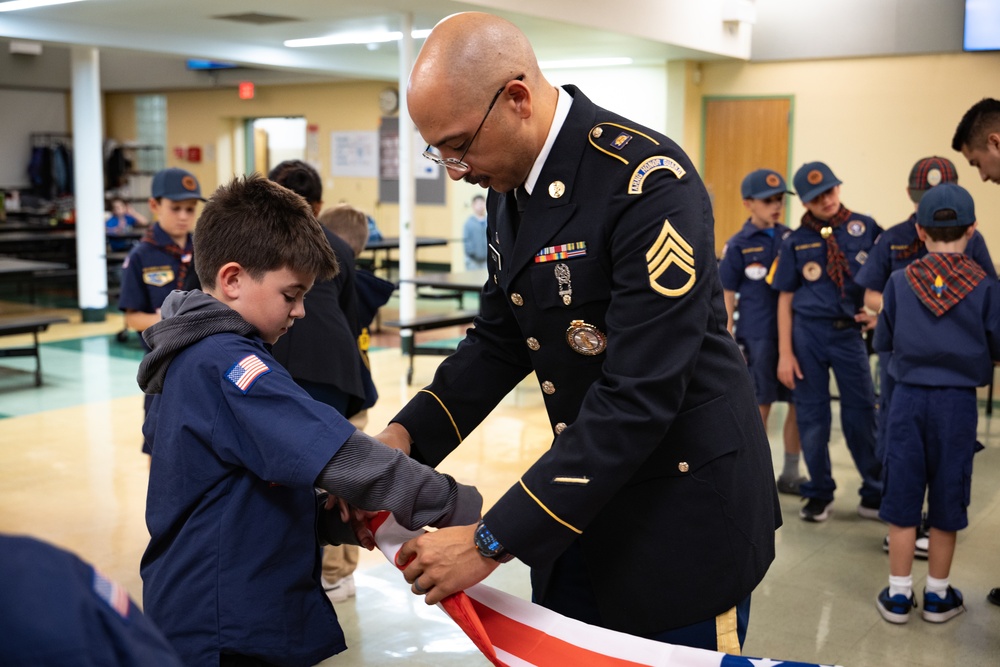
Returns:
(407, 188)
(88, 180)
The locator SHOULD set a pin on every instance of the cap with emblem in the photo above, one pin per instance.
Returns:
(763, 183)
(813, 179)
(927, 173)
(946, 205)
(176, 185)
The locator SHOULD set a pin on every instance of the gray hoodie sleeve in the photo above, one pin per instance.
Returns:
(373, 476)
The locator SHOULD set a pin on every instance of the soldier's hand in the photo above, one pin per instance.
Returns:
(443, 562)
(396, 436)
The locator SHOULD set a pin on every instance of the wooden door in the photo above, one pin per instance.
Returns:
(741, 135)
(261, 151)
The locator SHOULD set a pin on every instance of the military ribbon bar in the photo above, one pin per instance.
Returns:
(564, 251)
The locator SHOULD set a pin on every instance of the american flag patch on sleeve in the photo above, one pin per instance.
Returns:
(246, 371)
(112, 593)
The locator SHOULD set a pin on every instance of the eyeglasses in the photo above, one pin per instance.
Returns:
(458, 165)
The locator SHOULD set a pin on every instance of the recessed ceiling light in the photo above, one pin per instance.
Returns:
(15, 5)
(584, 62)
(338, 39)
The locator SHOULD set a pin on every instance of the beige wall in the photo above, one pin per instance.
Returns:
(209, 119)
(870, 120)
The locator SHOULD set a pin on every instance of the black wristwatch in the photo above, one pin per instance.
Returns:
(488, 546)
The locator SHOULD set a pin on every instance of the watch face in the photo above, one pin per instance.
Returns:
(388, 100)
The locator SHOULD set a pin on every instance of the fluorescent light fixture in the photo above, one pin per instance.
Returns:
(584, 62)
(15, 5)
(355, 38)
(26, 48)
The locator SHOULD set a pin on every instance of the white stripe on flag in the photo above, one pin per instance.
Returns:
(524, 634)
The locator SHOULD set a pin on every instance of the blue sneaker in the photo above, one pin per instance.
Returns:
(939, 609)
(895, 609)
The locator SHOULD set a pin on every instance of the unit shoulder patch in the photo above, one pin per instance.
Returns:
(648, 166)
(670, 261)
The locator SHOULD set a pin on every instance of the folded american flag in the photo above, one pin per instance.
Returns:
(512, 632)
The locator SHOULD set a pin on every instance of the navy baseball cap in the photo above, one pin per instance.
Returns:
(946, 205)
(763, 183)
(813, 179)
(927, 173)
(176, 185)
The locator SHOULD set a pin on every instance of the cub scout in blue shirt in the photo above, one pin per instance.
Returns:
(233, 563)
(746, 259)
(821, 330)
(941, 321)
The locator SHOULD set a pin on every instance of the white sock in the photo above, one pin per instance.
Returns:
(937, 586)
(901, 585)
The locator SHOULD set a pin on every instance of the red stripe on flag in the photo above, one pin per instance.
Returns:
(537, 647)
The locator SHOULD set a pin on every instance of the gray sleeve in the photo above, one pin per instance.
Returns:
(373, 476)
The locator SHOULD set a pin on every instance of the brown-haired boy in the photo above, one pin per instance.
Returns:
(232, 567)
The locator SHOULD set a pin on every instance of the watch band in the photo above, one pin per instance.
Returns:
(489, 546)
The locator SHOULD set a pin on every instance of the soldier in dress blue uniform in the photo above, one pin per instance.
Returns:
(820, 329)
(654, 510)
(746, 259)
(57, 610)
(163, 261)
(941, 321)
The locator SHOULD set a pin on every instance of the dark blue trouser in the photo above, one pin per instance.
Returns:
(569, 593)
(820, 347)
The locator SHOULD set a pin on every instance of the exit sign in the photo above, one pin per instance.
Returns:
(246, 90)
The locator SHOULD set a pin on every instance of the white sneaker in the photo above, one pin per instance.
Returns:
(341, 589)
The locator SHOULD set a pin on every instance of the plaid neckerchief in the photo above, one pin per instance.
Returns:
(836, 263)
(941, 280)
(167, 245)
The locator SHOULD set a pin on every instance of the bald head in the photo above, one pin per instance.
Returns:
(465, 60)
(468, 53)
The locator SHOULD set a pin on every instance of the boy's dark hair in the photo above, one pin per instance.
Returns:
(981, 119)
(475, 197)
(945, 234)
(348, 223)
(263, 227)
(299, 177)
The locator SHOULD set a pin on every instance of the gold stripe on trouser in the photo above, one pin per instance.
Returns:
(726, 639)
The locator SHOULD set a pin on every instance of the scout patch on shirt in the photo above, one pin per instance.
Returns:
(855, 228)
(158, 276)
(755, 271)
(861, 257)
(670, 261)
(563, 251)
(112, 593)
(812, 271)
(650, 165)
(246, 371)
